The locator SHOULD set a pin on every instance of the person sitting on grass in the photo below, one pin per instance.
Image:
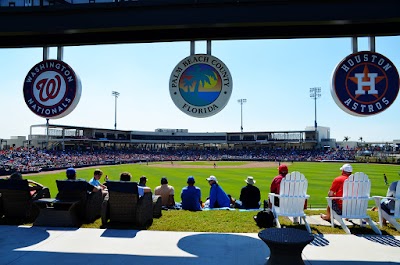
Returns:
(218, 198)
(249, 195)
(166, 192)
(191, 196)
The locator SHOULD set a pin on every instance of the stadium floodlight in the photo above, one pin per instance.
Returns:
(47, 133)
(241, 102)
(315, 93)
(116, 95)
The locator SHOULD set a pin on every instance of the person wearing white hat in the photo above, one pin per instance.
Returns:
(336, 190)
(218, 198)
(249, 195)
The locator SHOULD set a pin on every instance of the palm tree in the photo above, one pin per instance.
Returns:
(199, 75)
(187, 84)
(346, 138)
(361, 139)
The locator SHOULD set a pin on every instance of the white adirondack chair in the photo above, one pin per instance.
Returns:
(355, 198)
(292, 196)
(396, 214)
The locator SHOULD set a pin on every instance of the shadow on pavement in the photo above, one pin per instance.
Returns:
(212, 249)
(225, 249)
(348, 262)
(319, 241)
(15, 237)
(384, 240)
(119, 233)
(194, 249)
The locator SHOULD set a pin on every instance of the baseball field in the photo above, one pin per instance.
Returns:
(231, 176)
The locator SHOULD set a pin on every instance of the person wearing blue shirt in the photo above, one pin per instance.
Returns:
(218, 197)
(95, 181)
(191, 196)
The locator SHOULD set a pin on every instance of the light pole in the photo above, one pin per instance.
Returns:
(115, 94)
(47, 133)
(315, 93)
(241, 101)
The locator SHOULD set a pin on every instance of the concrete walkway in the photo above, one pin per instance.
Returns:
(40, 245)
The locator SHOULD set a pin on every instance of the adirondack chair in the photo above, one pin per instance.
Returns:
(292, 196)
(396, 214)
(355, 198)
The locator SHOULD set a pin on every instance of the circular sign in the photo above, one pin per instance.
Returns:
(52, 89)
(200, 85)
(365, 83)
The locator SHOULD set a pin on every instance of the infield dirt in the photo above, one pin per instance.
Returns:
(251, 164)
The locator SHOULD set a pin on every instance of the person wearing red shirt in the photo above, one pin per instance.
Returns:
(336, 190)
(276, 183)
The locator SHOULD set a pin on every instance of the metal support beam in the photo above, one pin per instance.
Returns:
(60, 53)
(192, 47)
(45, 53)
(371, 42)
(354, 44)
(208, 47)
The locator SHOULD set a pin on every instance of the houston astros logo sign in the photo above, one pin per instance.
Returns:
(52, 89)
(200, 85)
(365, 83)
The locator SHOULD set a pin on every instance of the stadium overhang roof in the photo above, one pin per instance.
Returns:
(183, 20)
(73, 127)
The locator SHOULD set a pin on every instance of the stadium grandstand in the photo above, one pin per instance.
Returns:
(64, 137)
(51, 147)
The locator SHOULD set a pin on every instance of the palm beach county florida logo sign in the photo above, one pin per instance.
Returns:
(365, 83)
(200, 85)
(52, 89)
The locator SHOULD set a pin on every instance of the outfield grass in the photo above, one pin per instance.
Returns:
(319, 175)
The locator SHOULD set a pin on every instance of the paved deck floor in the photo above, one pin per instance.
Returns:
(40, 245)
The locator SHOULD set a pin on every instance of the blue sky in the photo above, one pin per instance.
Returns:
(273, 75)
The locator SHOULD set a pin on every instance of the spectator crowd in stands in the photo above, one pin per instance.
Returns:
(35, 160)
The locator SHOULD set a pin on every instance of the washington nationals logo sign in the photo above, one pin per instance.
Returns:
(365, 83)
(52, 89)
(200, 85)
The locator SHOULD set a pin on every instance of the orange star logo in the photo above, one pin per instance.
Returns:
(366, 79)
